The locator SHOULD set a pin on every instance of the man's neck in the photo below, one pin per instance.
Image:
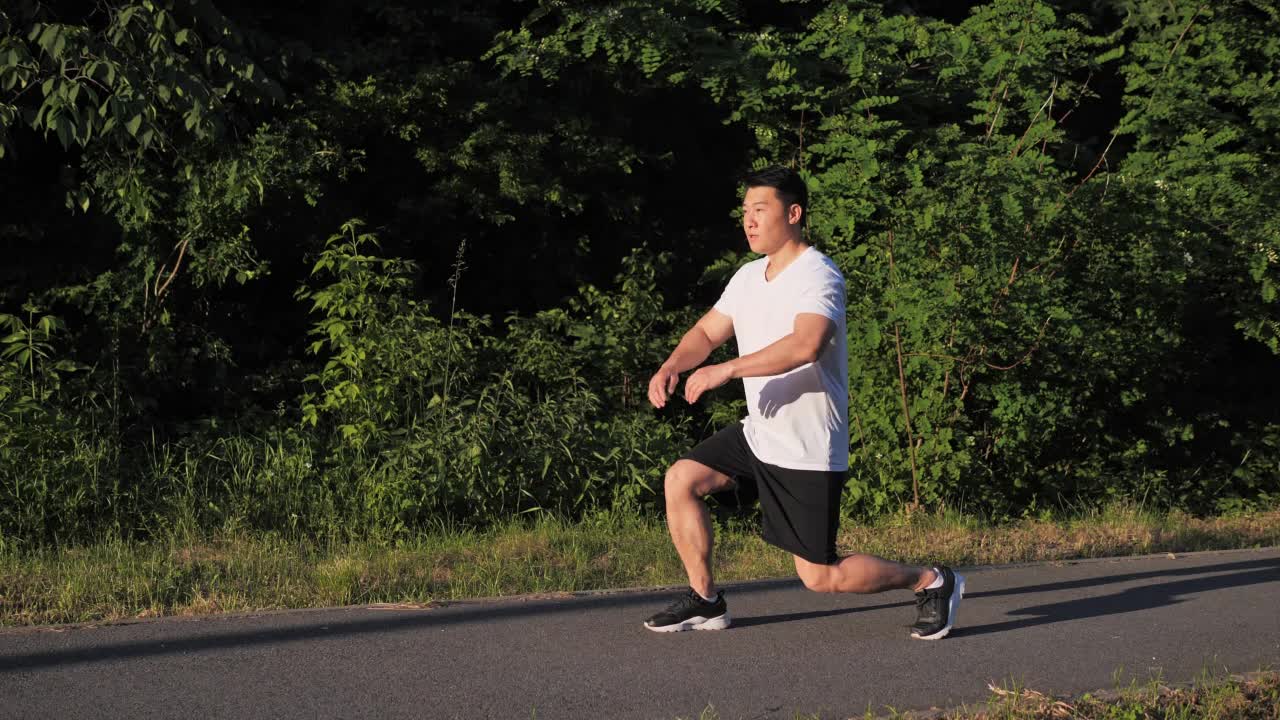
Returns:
(783, 257)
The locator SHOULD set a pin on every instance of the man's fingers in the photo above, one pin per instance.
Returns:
(692, 389)
(660, 387)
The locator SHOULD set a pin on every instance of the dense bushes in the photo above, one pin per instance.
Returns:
(1056, 220)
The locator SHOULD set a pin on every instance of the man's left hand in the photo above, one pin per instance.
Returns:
(706, 378)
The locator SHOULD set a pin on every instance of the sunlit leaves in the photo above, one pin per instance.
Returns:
(122, 84)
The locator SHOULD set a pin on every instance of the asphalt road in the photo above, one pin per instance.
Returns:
(1061, 628)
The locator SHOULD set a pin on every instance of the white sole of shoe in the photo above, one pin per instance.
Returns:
(695, 623)
(951, 612)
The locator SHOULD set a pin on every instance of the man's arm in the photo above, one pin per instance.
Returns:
(710, 332)
(809, 335)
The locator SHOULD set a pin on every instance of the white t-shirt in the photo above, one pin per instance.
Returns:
(800, 419)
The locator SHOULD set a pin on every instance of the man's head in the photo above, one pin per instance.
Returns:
(773, 208)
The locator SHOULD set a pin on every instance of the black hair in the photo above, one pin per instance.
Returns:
(787, 182)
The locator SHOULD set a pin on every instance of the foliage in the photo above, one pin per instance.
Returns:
(152, 76)
(1002, 291)
(1055, 220)
(431, 418)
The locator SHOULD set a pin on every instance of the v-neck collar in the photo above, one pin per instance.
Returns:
(764, 272)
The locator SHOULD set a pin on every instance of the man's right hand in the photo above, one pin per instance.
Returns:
(706, 335)
(661, 385)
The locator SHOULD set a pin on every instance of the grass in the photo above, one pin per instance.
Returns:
(1255, 696)
(192, 574)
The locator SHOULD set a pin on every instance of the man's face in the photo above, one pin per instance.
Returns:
(767, 222)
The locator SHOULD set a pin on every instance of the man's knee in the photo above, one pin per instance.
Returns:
(678, 486)
(815, 577)
(675, 482)
(689, 480)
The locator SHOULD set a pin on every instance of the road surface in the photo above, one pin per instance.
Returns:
(1056, 627)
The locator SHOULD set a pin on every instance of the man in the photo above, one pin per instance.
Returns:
(787, 310)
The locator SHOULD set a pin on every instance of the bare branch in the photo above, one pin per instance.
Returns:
(906, 414)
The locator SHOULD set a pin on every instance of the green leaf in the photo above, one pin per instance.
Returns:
(1112, 54)
(133, 125)
(874, 102)
(48, 33)
(64, 134)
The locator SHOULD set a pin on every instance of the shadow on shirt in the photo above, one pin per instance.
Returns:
(782, 391)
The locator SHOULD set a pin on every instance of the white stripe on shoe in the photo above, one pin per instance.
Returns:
(720, 622)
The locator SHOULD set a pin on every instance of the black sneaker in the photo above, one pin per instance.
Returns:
(691, 612)
(936, 608)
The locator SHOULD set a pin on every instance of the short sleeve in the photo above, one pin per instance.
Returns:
(730, 299)
(824, 296)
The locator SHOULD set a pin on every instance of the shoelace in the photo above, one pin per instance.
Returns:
(923, 599)
(691, 599)
(925, 596)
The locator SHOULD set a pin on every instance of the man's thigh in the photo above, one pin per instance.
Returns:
(800, 511)
(720, 461)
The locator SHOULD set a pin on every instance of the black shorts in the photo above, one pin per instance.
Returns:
(800, 508)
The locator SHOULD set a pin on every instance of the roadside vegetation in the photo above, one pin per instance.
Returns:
(226, 572)
(305, 308)
(355, 275)
(1213, 696)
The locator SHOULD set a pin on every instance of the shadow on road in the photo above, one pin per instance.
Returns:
(359, 621)
(1201, 569)
(746, 622)
(1127, 601)
(1134, 599)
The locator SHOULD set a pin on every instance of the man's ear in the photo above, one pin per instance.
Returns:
(794, 213)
